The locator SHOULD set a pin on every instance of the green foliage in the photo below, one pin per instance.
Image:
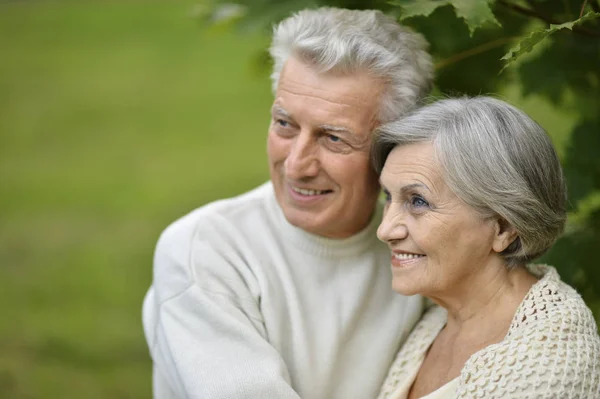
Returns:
(535, 37)
(553, 50)
(476, 13)
(582, 164)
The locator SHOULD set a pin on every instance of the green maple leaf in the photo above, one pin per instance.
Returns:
(419, 7)
(476, 13)
(528, 43)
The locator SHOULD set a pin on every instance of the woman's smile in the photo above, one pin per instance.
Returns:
(437, 242)
(405, 259)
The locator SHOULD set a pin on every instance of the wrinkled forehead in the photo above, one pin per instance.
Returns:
(311, 98)
(412, 163)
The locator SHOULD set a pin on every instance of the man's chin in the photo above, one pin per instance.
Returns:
(305, 221)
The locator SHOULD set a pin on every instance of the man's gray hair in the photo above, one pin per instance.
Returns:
(496, 159)
(345, 41)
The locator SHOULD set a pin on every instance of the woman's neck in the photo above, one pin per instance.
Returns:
(493, 294)
(480, 309)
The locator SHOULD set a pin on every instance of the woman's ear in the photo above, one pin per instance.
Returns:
(505, 235)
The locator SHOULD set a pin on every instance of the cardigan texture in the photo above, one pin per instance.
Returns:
(244, 305)
(551, 350)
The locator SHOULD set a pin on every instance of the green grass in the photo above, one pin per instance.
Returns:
(115, 119)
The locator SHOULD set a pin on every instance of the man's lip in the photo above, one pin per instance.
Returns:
(304, 199)
(304, 187)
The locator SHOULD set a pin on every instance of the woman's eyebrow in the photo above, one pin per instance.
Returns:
(410, 187)
(406, 189)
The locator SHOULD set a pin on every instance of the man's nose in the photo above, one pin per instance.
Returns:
(393, 226)
(302, 160)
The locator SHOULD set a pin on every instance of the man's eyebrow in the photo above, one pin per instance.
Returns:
(340, 129)
(276, 109)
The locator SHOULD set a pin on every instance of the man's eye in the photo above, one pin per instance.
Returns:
(335, 143)
(282, 122)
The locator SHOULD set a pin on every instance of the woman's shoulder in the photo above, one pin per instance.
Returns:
(552, 347)
(411, 355)
(553, 307)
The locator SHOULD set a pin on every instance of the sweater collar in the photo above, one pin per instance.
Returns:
(323, 246)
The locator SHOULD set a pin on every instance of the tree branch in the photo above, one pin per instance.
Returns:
(535, 14)
(582, 8)
(473, 51)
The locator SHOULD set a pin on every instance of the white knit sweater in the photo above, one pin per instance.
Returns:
(246, 306)
(551, 350)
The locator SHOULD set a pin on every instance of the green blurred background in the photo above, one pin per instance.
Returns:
(116, 118)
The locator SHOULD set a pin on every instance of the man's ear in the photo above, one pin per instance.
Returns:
(505, 234)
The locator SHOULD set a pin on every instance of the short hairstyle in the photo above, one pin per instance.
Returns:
(345, 41)
(496, 159)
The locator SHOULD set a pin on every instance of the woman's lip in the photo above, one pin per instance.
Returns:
(399, 263)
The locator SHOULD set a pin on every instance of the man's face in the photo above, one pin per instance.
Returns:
(318, 146)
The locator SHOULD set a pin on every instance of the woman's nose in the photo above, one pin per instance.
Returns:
(392, 226)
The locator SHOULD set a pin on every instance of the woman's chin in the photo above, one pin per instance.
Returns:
(410, 279)
(404, 287)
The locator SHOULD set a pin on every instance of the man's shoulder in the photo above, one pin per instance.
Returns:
(233, 211)
(206, 242)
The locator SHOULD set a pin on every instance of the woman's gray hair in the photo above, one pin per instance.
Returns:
(345, 41)
(496, 159)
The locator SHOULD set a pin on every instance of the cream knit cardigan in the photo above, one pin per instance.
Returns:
(551, 350)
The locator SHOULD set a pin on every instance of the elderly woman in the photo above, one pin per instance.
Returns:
(474, 193)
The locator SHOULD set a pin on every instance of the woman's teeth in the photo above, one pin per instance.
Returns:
(407, 256)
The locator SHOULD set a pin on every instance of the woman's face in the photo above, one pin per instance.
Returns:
(438, 242)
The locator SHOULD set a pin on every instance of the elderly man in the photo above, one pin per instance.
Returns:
(284, 291)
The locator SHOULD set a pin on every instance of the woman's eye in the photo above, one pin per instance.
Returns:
(418, 202)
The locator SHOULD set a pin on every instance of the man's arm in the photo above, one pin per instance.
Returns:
(204, 326)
